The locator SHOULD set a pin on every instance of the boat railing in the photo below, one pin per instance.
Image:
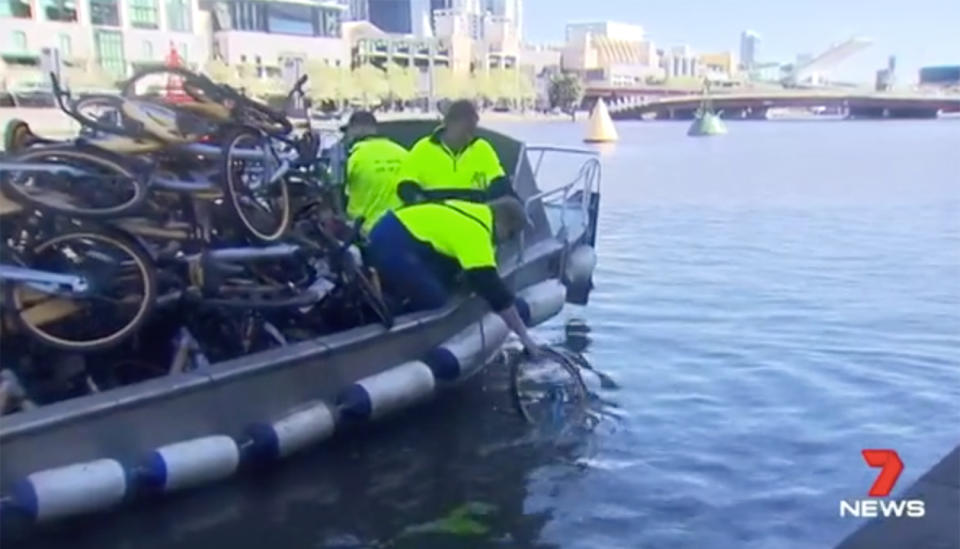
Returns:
(587, 181)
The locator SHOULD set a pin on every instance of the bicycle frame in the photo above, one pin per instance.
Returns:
(43, 281)
(61, 169)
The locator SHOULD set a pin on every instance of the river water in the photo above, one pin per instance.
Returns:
(769, 302)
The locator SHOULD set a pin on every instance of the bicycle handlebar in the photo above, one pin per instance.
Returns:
(59, 93)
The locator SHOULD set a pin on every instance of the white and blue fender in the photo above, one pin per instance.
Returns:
(381, 394)
(578, 273)
(103, 483)
(72, 489)
(190, 463)
(309, 425)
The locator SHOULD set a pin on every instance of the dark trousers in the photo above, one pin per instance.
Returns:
(404, 267)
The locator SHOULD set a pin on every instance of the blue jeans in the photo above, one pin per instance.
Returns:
(404, 266)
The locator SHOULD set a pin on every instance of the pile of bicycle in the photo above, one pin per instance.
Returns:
(176, 230)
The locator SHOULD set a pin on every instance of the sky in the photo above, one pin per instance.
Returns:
(918, 32)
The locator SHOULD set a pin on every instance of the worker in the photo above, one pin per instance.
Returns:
(453, 162)
(373, 162)
(420, 250)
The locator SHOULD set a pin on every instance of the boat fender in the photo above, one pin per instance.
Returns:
(541, 301)
(294, 432)
(578, 273)
(191, 462)
(389, 391)
(465, 353)
(72, 489)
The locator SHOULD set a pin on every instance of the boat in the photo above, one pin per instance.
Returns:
(183, 430)
(706, 121)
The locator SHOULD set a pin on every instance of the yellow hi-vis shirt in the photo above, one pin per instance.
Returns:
(457, 229)
(372, 168)
(434, 166)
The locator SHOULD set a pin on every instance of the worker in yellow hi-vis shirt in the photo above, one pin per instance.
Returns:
(373, 164)
(420, 251)
(454, 163)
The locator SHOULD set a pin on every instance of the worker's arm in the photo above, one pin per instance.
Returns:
(498, 183)
(488, 284)
(352, 205)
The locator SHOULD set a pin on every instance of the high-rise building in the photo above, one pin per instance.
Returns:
(115, 36)
(511, 10)
(357, 10)
(392, 16)
(749, 42)
(607, 29)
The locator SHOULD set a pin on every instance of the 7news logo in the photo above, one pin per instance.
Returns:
(890, 468)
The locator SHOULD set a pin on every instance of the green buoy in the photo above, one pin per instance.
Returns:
(706, 122)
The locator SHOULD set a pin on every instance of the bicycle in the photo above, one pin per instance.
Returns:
(541, 392)
(82, 179)
(82, 289)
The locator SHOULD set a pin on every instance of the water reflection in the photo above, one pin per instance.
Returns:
(577, 334)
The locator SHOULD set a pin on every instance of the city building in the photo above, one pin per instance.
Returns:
(118, 36)
(944, 76)
(749, 44)
(718, 67)
(886, 78)
(816, 70)
(611, 54)
(271, 33)
(482, 34)
(768, 72)
(511, 10)
(540, 58)
(371, 45)
(607, 29)
(680, 62)
(393, 16)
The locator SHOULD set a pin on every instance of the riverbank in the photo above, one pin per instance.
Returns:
(53, 123)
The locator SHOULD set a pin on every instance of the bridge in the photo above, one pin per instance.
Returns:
(754, 105)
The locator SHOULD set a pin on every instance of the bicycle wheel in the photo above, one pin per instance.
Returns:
(547, 391)
(249, 164)
(260, 116)
(79, 183)
(122, 291)
(103, 113)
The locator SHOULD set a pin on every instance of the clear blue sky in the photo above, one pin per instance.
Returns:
(918, 32)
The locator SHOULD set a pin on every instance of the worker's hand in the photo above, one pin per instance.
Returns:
(532, 350)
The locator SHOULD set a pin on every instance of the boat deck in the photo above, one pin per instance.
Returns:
(939, 488)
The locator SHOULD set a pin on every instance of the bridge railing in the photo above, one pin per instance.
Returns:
(564, 200)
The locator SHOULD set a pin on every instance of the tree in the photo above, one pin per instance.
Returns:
(482, 85)
(220, 72)
(371, 83)
(324, 82)
(443, 83)
(526, 88)
(448, 84)
(402, 82)
(89, 76)
(566, 91)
